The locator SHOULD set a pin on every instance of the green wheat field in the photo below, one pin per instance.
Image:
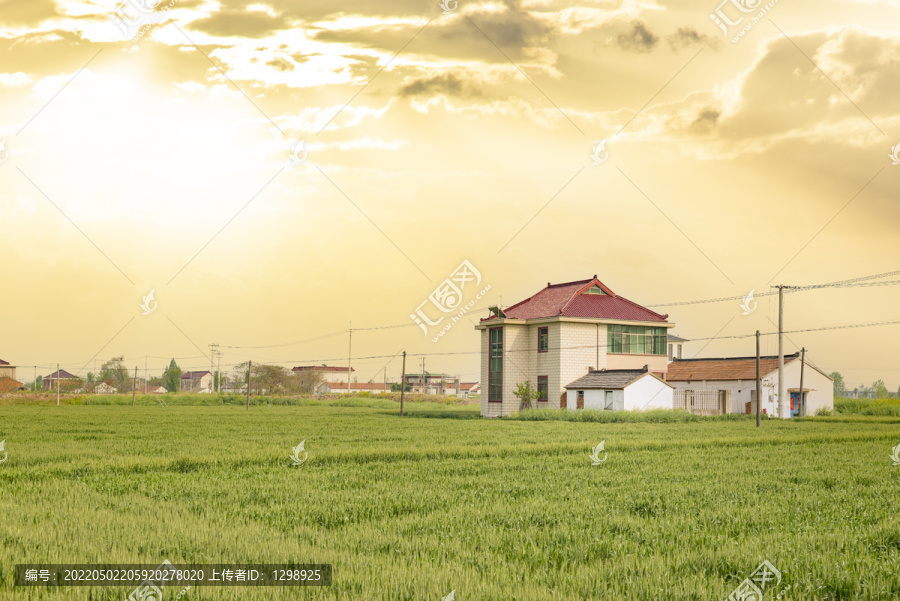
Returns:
(441, 500)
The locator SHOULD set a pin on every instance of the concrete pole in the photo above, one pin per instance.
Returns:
(758, 388)
(781, 403)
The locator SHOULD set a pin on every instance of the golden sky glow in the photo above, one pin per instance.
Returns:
(164, 164)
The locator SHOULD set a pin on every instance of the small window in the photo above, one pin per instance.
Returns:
(580, 400)
(543, 339)
(595, 289)
(670, 352)
(608, 401)
(543, 389)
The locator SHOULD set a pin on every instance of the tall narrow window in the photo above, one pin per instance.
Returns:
(543, 389)
(670, 352)
(543, 340)
(608, 401)
(580, 402)
(495, 366)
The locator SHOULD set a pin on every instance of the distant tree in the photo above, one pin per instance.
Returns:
(155, 382)
(880, 390)
(526, 393)
(305, 382)
(395, 387)
(839, 390)
(114, 373)
(39, 382)
(172, 377)
(264, 379)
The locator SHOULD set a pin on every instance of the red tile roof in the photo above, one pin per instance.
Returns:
(738, 368)
(2, 362)
(8, 384)
(570, 300)
(194, 375)
(63, 375)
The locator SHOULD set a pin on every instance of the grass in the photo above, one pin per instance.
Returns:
(441, 500)
(874, 407)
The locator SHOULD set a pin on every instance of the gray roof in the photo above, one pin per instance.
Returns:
(610, 379)
(674, 338)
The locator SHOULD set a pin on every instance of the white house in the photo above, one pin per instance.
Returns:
(729, 385)
(561, 333)
(196, 381)
(103, 388)
(676, 346)
(618, 390)
(329, 373)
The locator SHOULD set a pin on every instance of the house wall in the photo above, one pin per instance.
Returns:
(595, 399)
(7, 371)
(819, 395)
(574, 347)
(658, 363)
(648, 393)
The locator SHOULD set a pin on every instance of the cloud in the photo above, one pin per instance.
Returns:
(447, 84)
(639, 39)
(244, 23)
(706, 121)
(686, 37)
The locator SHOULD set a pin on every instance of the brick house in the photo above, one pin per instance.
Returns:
(561, 333)
(7, 370)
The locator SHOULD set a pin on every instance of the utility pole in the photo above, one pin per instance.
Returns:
(133, 385)
(801, 405)
(758, 389)
(249, 367)
(219, 370)
(213, 349)
(780, 351)
(57, 384)
(402, 383)
(349, 354)
(146, 374)
(35, 379)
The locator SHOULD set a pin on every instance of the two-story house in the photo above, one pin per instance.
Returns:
(561, 333)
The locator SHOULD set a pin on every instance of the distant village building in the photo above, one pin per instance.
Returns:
(62, 376)
(329, 373)
(619, 390)
(728, 385)
(196, 381)
(104, 388)
(342, 387)
(437, 384)
(7, 370)
(561, 333)
(157, 390)
(469, 389)
(675, 346)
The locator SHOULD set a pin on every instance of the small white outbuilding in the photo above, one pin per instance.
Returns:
(618, 390)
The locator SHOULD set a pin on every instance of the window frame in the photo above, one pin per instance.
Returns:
(491, 385)
(544, 331)
(546, 389)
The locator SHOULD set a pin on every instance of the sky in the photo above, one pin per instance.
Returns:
(280, 173)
